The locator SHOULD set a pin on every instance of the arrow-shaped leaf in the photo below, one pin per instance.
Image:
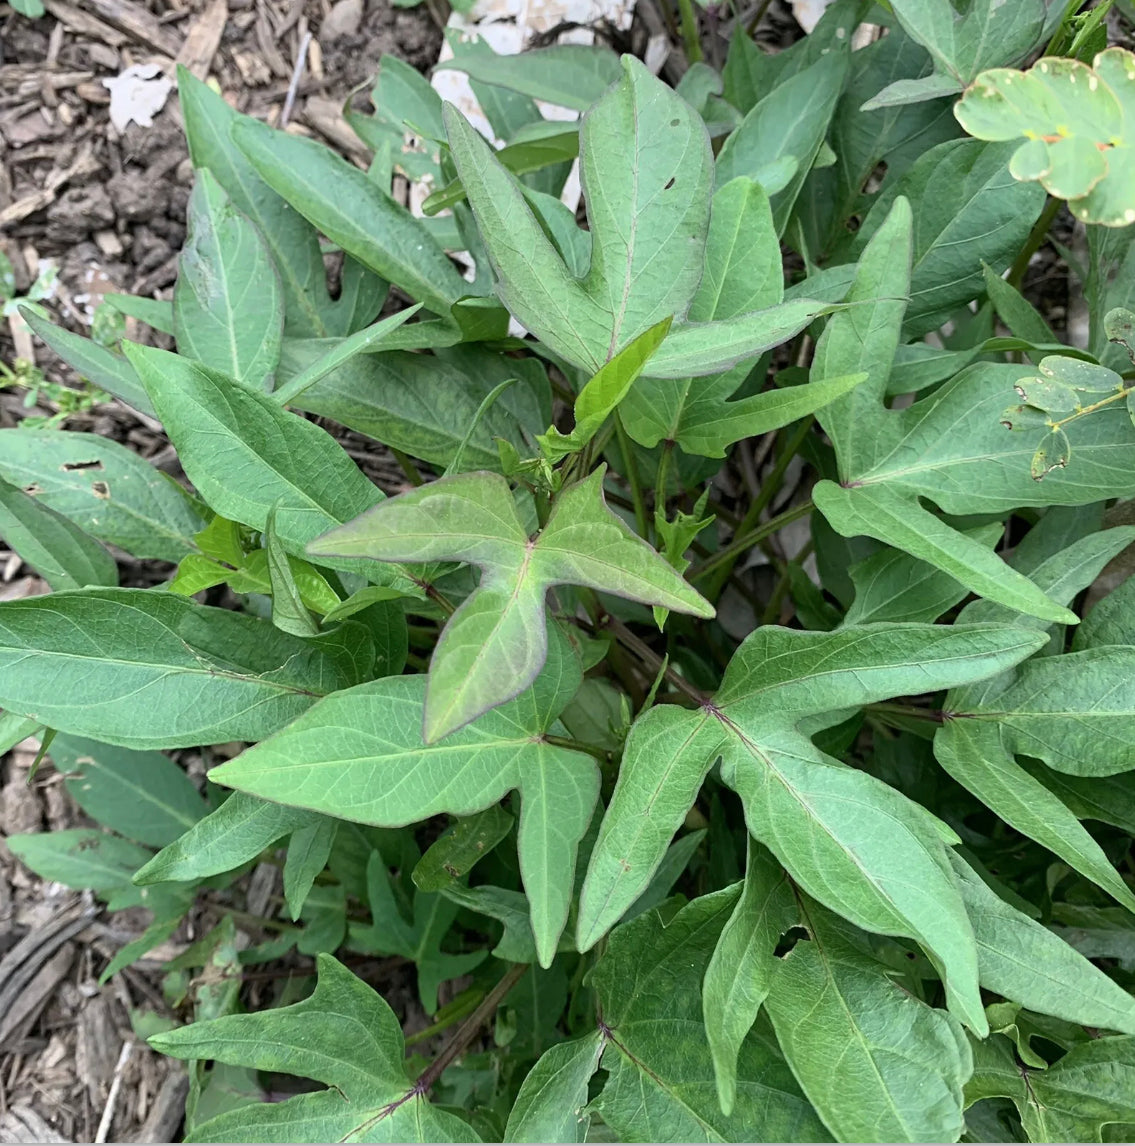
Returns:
(883, 865)
(359, 755)
(493, 646)
(343, 1035)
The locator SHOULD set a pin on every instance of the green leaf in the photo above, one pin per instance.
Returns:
(106, 370)
(885, 868)
(424, 404)
(970, 210)
(901, 1065)
(145, 669)
(144, 796)
(209, 123)
(494, 645)
(228, 310)
(237, 832)
(453, 854)
(1075, 120)
(308, 851)
(154, 312)
(343, 1035)
(352, 211)
(890, 585)
(568, 75)
(646, 166)
(550, 1105)
(289, 612)
(359, 755)
(659, 1070)
(418, 939)
(962, 44)
(954, 449)
(1018, 314)
(59, 551)
(790, 122)
(743, 965)
(246, 454)
(1024, 961)
(107, 490)
(81, 858)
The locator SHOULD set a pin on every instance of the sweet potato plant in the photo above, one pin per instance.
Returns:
(738, 703)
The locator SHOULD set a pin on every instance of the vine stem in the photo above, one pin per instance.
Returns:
(632, 477)
(654, 663)
(1034, 242)
(758, 505)
(465, 1033)
(747, 540)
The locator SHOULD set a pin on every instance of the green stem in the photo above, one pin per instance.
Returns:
(641, 520)
(746, 541)
(769, 489)
(445, 1024)
(1034, 242)
(690, 36)
(653, 662)
(662, 480)
(413, 476)
(600, 754)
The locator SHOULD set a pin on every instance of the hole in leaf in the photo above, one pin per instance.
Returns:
(33, 489)
(71, 467)
(669, 183)
(100, 489)
(789, 940)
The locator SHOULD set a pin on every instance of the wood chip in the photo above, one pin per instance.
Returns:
(168, 1109)
(138, 24)
(22, 1124)
(85, 24)
(326, 117)
(85, 163)
(204, 38)
(18, 1019)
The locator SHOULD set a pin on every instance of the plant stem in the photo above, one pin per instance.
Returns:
(445, 1024)
(600, 754)
(465, 1033)
(1034, 242)
(769, 489)
(662, 480)
(690, 38)
(631, 464)
(746, 541)
(413, 476)
(652, 660)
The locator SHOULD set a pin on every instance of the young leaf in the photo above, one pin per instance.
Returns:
(289, 612)
(228, 310)
(655, 1050)
(1024, 961)
(144, 796)
(493, 646)
(795, 797)
(646, 169)
(550, 1105)
(59, 551)
(743, 965)
(236, 833)
(145, 669)
(901, 1065)
(1074, 119)
(107, 490)
(359, 755)
(343, 1035)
